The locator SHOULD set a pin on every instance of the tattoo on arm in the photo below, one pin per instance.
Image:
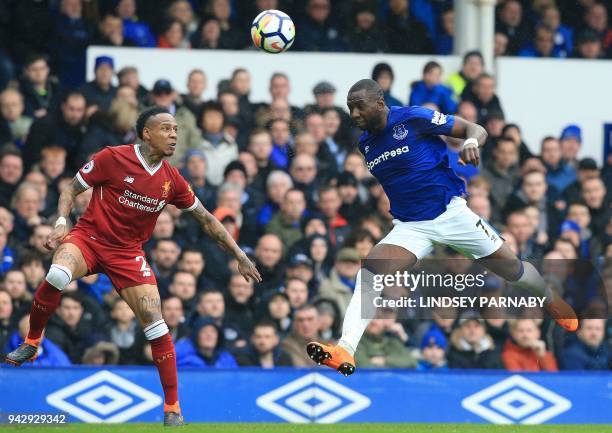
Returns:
(149, 309)
(65, 258)
(66, 199)
(213, 228)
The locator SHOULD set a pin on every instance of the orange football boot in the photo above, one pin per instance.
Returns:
(335, 357)
(562, 312)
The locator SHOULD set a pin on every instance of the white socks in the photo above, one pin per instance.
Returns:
(356, 318)
(532, 280)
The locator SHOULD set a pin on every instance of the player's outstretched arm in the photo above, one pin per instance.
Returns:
(64, 207)
(474, 136)
(213, 228)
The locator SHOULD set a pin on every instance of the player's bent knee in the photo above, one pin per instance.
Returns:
(59, 276)
(156, 329)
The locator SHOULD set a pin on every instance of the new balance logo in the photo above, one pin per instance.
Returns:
(313, 398)
(129, 179)
(516, 400)
(104, 397)
(438, 118)
(367, 149)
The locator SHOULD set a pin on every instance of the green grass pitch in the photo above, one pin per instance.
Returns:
(308, 428)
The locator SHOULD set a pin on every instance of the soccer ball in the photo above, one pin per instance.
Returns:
(273, 31)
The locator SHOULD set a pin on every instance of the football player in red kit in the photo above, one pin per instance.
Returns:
(131, 185)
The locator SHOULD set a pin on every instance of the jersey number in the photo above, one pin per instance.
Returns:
(144, 267)
(481, 225)
(493, 236)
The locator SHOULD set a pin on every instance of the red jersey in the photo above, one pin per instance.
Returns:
(128, 195)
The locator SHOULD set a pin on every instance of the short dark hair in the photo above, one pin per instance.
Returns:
(327, 188)
(35, 57)
(210, 291)
(577, 203)
(548, 138)
(71, 94)
(30, 257)
(167, 24)
(358, 235)
(430, 66)
(266, 323)
(238, 71)
(196, 71)
(171, 297)
(205, 108)
(190, 250)
(503, 140)
(483, 76)
(275, 120)
(544, 27)
(381, 68)
(371, 87)
(10, 151)
(75, 296)
(471, 54)
(144, 117)
(306, 306)
(508, 126)
(159, 241)
(126, 70)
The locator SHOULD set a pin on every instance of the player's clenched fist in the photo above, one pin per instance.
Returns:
(57, 235)
(248, 269)
(470, 153)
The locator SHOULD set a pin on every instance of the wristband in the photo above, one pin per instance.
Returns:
(61, 221)
(470, 142)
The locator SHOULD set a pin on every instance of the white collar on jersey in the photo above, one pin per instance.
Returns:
(150, 170)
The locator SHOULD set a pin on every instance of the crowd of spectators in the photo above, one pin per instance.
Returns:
(290, 187)
(64, 28)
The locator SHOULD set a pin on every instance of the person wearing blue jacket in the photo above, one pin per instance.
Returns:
(564, 35)
(204, 348)
(49, 353)
(71, 37)
(589, 350)
(430, 90)
(134, 29)
(433, 351)
(542, 45)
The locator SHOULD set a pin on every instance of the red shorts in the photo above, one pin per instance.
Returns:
(124, 267)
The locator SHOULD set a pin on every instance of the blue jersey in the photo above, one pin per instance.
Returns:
(411, 162)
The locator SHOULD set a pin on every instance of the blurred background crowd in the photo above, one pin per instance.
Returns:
(290, 187)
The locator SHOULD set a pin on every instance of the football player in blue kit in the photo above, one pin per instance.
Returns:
(404, 149)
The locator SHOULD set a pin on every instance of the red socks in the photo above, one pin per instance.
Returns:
(46, 300)
(162, 349)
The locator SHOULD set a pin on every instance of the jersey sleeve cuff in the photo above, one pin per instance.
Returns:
(193, 206)
(82, 181)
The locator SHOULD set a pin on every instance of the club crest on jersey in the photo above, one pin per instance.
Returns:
(400, 132)
(166, 188)
(88, 167)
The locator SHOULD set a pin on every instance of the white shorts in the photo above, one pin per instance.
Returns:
(458, 227)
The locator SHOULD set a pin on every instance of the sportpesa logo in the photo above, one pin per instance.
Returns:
(386, 155)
